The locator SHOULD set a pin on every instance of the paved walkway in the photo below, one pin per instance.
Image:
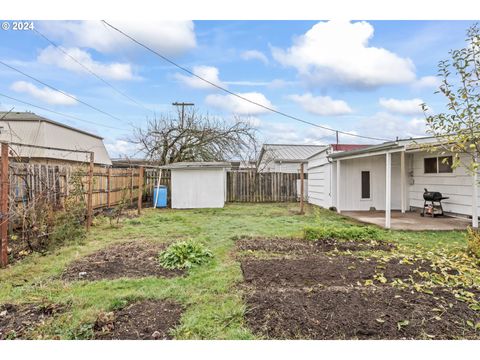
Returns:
(410, 220)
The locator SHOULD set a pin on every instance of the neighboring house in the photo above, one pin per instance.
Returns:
(393, 176)
(321, 187)
(243, 164)
(30, 129)
(285, 157)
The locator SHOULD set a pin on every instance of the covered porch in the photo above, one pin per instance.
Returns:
(409, 220)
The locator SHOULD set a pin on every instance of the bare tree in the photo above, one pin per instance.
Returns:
(195, 137)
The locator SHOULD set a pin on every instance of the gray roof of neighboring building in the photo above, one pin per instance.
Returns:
(30, 116)
(197, 165)
(290, 152)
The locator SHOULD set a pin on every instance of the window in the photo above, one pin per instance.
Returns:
(445, 164)
(365, 184)
(435, 165)
(430, 165)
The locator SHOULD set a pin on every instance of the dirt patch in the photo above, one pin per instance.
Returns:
(17, 320)
(360, 313)
(296, 247)
(324, 270)
(130, 260)
(145, 320)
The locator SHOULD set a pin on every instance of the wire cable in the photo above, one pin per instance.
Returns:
(235, 94)
(60, 91)
(61, 114)
(93, 73)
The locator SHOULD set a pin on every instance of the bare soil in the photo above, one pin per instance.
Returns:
(323, 270)
(296, 247)
(315, 295)
(135, 259)
(144, 320)
(17, 320)
(360, 313)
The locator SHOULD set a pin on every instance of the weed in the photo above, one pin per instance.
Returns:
(184, 255)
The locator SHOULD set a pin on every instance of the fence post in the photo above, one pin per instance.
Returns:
(4, 207)
(90, 192)
(109, 174)
(302, 190)
(131, 186)
(140, 189)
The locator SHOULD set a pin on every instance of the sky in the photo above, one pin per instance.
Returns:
(361, 77)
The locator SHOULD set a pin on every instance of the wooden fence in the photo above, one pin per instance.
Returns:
(252, 186)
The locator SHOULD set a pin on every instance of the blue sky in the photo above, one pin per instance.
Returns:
(364, 77)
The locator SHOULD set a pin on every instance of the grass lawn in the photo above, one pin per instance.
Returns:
(210, 294)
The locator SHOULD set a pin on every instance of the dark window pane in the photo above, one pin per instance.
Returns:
(365, 184)
(430, 165)
(445, 164)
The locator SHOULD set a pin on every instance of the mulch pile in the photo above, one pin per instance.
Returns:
(17, 320)
(144, 320)
(135, 259)
(313, 295)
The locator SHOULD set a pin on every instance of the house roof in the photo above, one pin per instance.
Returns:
(197, 165)
(33, 136)
(30, 116)
(289, 152)
(348, 147)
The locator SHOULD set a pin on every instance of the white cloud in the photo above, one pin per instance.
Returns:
(209, 73)
(388, 126)
(404, 107)
(122, 148)
(339, 51)
(44, 94)
(238, 106)
(321, 105)
(115, 71)
(168, 37)
(427, 82)
(254, 55)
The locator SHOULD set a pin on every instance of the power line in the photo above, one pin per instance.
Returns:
(235, 94)
(61, 114)
(92, 72)
(60, 91)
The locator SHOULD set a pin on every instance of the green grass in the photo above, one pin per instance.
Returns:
(213, 303)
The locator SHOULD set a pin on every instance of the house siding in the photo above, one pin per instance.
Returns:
(320, 180)
(456, 185)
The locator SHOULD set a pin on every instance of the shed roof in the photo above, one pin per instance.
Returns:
(197, 165)
(290, 152)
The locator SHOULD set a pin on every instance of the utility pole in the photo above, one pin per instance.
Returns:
(336, 133)
(182, 104)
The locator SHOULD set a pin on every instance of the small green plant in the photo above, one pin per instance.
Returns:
(184, 255)
(473, 242)
(359, 233)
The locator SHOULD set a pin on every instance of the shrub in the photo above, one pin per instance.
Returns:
(361, 233)
(184, 255)
(473, 242)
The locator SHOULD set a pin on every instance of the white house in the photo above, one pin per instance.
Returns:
(285, 158)
(198, 184)
(27, 128)
(321, 173)
(393, 176)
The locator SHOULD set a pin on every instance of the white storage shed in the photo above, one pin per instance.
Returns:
(197, 185)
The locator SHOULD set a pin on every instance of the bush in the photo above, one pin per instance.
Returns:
(360, 233)
(184, 255)
(68, 225)
(473, 242)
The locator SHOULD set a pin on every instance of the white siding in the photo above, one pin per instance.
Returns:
(457, 185)
(198, 188)
(275, 166)
(320, 180)
(350, 183)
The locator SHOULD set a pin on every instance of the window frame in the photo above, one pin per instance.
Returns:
(369, 185)
(437, 165)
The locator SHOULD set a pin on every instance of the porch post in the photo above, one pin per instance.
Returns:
(475, 200)
(402, 182)
(338, 186)
(388, 190)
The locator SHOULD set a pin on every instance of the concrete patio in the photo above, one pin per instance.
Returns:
(409, 220)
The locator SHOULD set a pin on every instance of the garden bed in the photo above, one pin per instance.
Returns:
(144, 320)
(359, 313)
(134, 259)
(16, 321)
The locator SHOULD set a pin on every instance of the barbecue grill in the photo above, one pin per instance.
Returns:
(432, 204)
